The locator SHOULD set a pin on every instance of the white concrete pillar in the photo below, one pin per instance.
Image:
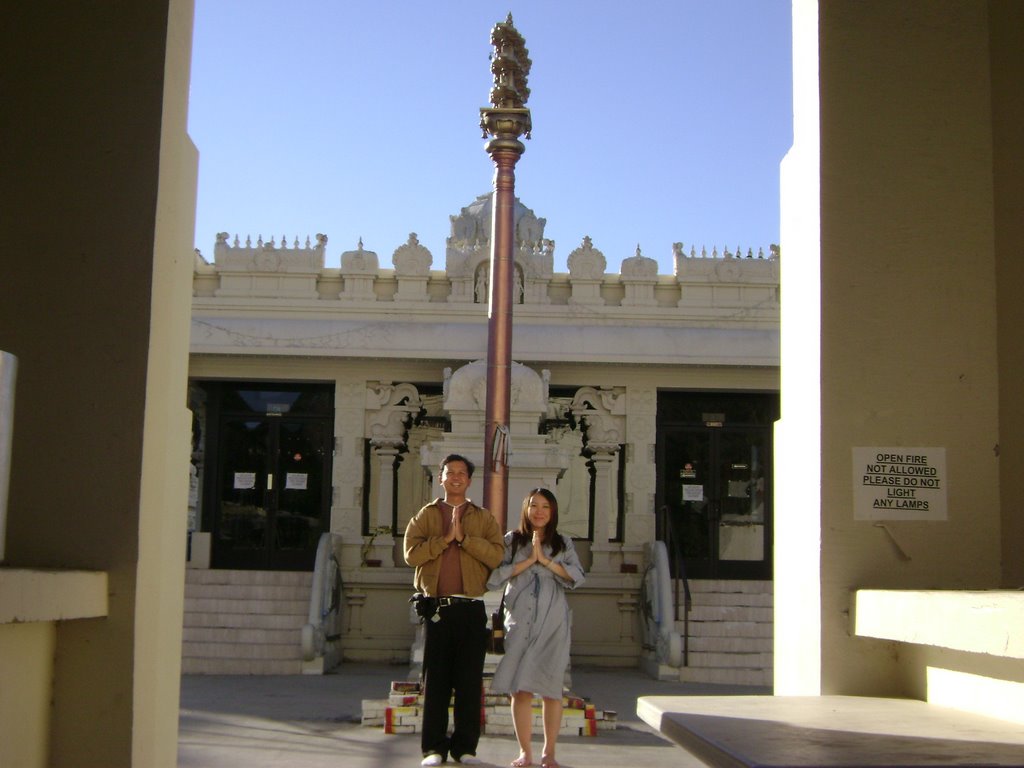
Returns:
(384, 450)
(604, 507)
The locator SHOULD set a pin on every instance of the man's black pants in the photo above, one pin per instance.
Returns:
(453, 660)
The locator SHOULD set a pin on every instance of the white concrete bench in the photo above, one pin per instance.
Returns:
(831, 732)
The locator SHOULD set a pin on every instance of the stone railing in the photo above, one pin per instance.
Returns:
(702, 282)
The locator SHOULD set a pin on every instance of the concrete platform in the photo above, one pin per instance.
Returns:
(314, 722)
(831, 732)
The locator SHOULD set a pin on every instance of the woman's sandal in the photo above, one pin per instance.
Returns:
(521, 762)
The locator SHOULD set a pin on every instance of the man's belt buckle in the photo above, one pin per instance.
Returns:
(446, 601)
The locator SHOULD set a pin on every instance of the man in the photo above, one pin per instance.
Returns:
(453, 545)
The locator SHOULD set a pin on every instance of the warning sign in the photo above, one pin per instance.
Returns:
(899, 483)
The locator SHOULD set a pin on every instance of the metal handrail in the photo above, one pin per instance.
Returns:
(679, 562)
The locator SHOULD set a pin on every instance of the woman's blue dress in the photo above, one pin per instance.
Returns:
(537, 621)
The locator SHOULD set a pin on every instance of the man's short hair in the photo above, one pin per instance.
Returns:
(457, 457)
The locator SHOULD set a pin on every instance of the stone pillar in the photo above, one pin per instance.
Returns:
(602, 412)
(604, 505)
(347, 474)
(641, 473)
(385, 450)
(390, 409)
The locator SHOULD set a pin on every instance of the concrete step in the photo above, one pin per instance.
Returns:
(731, 613)
(244, 622)
(255, 605)
(753, 599)
(278, 578)
(730, 660)
(727, 628)
(731, 644)
(730, 587)
(248, 591)
(730, 628)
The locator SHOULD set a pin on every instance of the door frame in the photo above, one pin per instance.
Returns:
(215, 417)
(715, 413)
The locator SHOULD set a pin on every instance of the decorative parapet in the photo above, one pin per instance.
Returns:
(267, 270)
(412, 263)
(639, 276)
(706, 288)
(359, 269)
(729, 281)
(586, 271)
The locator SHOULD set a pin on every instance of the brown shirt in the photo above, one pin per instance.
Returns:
(481, 551)
(449, 580)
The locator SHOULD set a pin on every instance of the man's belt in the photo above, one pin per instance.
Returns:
(446, 601)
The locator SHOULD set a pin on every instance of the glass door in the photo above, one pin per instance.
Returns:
(271, 492)
(241, 534)
(742, 532)
(302, 499)
(714, 495)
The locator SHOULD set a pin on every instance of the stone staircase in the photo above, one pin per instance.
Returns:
(730, 633)
(244, 622)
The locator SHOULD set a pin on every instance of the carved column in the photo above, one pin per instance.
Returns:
(641, 473)
(603, 459)
(390, 410)
(347, 495)
(385, 450)
(602, 414)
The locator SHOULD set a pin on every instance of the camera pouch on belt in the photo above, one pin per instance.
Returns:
(425, 606)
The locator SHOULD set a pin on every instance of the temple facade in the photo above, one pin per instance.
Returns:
(901, 327)
(324, 398)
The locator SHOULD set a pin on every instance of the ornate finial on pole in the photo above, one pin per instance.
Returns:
(510, 66)
(504, 122)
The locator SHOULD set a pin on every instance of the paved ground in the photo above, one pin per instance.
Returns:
(314, 722)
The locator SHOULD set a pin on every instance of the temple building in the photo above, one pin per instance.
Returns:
(899, 346)
(324, 399)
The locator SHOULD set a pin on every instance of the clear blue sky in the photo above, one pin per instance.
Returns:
(654, 121)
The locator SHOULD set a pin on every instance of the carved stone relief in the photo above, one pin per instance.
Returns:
(587, 262)
(412, 258)
(639, 266)
(359, 261)
(390, 409)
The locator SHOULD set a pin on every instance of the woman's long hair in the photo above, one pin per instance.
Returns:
(523, 536)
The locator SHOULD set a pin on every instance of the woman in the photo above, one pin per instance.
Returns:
(539, 565)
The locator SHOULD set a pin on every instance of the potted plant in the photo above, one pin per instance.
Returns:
(380, 530)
